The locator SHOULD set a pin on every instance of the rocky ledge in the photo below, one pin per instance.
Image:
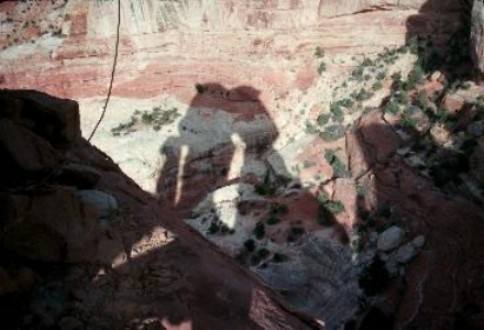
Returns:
(82, 246)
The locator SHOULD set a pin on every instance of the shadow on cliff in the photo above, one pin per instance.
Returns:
(60, 266)
(434, 205)
(440, 35)
(222, 132)
(226, 138)
(223, 154)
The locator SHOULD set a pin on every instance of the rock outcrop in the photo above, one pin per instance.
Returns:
(78, 237)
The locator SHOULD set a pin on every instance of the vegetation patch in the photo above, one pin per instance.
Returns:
(266, 187)
(295, 233)
(155, 119)
(250, 245)
(279, 257)
(339, 168)
(332, 133)
(259, 230)
(374, 278)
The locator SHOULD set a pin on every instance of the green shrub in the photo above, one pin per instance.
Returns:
(272, 220)
(380, 75)
(323, 119)
(361, 190)
(319, 52)
(266, 187)
(357, 73)
(147, 118)
(421, 100)
(332, 133)
(402, 97)
(263, 253)
(415, 76)
(311, 129)
(339, 169)
(259, 231)
(367, 62)
(377, 86)
(408, 122)
(250, 245)
(213, 229)
(346, 102)
(321, 68)
(413, 45)
(363, 95)
(392, 107)
(155, 118)
(322, 197)
(336, 111)
(397, 76)
(328, 210)
(259, 256)
(335, 207)
(279, 257)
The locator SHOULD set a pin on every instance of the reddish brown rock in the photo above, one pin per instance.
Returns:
(453, 103)
(378, 138)
(175, 278)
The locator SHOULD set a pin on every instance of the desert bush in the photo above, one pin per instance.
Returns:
(259, 231)
(279, 257)
(392, 107)
(250, 245)
(319, 52)
(337, 112)
(339, 169)
(266, 187)
(332, 133)
(272, 220)
(323, 119)
(377, 86)
(213, 228)
(321, 68)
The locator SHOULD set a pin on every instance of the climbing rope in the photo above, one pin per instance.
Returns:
(115, 61)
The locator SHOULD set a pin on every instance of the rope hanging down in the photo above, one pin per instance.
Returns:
(108, 97)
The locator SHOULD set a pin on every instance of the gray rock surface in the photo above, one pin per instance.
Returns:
(418, 241)
(405, 253)
(390, 238)
(103, 202)
(321, 280)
